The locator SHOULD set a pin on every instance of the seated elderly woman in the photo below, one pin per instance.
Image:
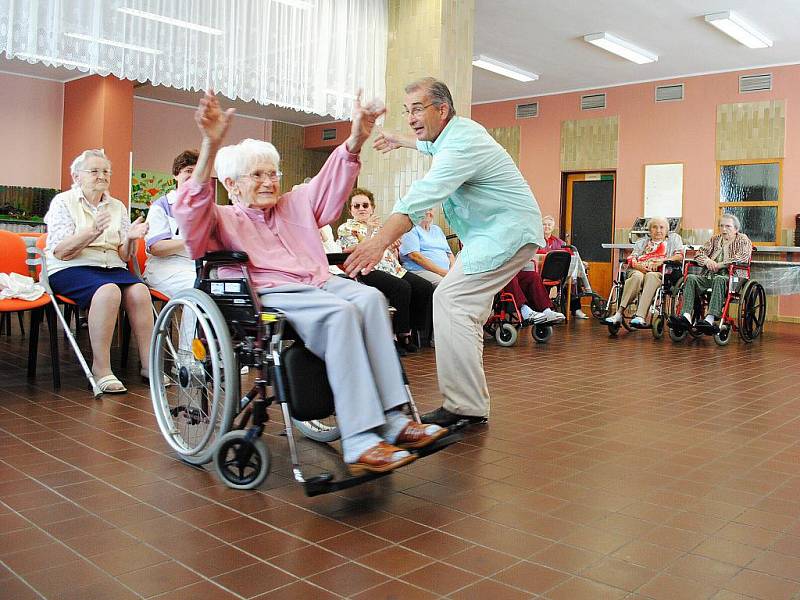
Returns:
(89, 239)
(425, 252)
(643, 274)
(409, 294)
(727, 247)
(341, 321)
(553, 242)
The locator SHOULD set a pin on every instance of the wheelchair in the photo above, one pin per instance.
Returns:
(505, 322)
(744, 293)
(663, 306)
(198, 404)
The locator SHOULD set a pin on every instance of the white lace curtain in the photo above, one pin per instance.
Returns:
(309, 55)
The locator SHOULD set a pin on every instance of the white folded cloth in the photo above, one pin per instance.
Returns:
(19, 286)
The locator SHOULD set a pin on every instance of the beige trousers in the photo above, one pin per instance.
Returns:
(461, 305)
(633, 283)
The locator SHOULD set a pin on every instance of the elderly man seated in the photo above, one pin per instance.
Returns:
(340, 321)
(727, 247)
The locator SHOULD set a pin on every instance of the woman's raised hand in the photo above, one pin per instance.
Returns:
(363, 122)
(212, 121)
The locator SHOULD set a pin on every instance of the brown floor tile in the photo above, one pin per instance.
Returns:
(763, 586)
(482, 561)
(39, 558)
(396, 561)
(202, 590)
(101, 590)
(702, 568)
(76, 574)
(566, 558)
(780, 565)
(670, 587)
(158, 579)
(270, 544)
(531, 577)
(307, 561)
(218, 560)
(299, 590)
(488, 588)
(348, 579)
(254, 580)
(583, 589)
(620, 574)
(392, 590)
(354, 544)
(129, 558)
(727, 551)
(440, 578)
(647, 555)
(437, 544)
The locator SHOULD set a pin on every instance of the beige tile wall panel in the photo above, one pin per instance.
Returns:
(426, 38)
(289, 141)
(508, 138)
(589, 144)
(751, 130)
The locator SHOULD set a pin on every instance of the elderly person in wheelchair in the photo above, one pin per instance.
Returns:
(729, 246)
(340, 321)
(644, 272)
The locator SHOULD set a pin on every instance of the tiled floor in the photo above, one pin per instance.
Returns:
(611, 468)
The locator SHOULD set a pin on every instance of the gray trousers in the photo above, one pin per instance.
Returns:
(346, 324)
(461, 305)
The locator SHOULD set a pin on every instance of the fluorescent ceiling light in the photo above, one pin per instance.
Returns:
(739, 29)
(89, 38)
(484, 62)
(169, 20)
(620, 47)
(56, 60)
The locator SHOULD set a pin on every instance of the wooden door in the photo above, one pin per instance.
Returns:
(589, 222)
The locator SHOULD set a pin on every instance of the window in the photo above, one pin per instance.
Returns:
(751, 190)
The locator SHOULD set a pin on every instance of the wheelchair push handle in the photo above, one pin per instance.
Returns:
(221, 257)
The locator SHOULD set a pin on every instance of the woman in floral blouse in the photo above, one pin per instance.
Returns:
(409, 294)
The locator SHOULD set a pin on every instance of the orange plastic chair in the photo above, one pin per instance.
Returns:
(13, 259)
(138, 269)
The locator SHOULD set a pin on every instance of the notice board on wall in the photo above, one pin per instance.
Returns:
(663, 190)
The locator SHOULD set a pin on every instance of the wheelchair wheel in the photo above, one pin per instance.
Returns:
(542, 333)
(194, 400)
(752, 310)
(658, 326)
(323, 430)
(241, 463)
(598, 307)
(506, 335)
(677, 335)
(723, 338)
(613, 330)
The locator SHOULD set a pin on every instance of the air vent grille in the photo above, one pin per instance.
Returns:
(527, 111)
(669, 93)
(593, 101)
(328, 134)
(755, 83)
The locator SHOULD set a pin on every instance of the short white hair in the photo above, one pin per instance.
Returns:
(663, 220)
(736, 223)
(549, 218)
(81, 159)
(232, 161)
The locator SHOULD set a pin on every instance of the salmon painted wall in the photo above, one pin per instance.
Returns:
(31, 122)
(651, 133)
(161, 131)
(313, 135)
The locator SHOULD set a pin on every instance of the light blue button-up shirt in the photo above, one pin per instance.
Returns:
(486, 201)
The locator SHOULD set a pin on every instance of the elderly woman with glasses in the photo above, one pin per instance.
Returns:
(89, 240)
(644, 270)
(341, 321)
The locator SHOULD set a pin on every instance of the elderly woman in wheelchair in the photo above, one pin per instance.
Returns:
(339, 320)
(721, 259)
(644, 274)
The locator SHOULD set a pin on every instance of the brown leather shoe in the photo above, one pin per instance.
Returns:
(413, 436)
(378, 459)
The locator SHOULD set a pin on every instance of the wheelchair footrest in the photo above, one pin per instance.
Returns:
(454, 436)
(325, 483)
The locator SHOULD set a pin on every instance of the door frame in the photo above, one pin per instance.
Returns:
(567, 177)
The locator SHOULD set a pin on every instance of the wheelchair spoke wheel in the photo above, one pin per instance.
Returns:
(190, 355)
(542, 333)
(752, 310)
(319, 430)
(242, 463)
(506, 334)
(599, 307)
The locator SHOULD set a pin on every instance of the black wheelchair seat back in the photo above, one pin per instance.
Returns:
(555, 267)
(309, 394)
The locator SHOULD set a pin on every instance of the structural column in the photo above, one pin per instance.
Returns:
(426, 38)
(98, 113)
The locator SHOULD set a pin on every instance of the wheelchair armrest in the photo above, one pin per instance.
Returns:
(337, 258)
(226, 256)
(673, 263)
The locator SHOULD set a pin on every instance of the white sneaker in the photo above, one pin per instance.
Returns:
(552, 316)
(536, 318)
(579, 314)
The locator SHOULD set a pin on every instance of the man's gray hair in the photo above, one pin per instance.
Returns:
(736, 223)
(437, 90)
(81, 159)
(232, 162)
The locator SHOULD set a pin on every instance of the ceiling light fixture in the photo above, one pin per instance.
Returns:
(89, 38)
(620, 47)
(56, 60)
(169, 20)
(501, 68)
(739, 29)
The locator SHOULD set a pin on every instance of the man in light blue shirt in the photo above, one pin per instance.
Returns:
(490, 207)
(424, 250)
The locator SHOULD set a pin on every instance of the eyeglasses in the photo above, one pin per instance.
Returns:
(96, 172)
(357, 205)
(417, 110)
(262, 176)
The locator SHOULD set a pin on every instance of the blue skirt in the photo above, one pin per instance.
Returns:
(81, 283)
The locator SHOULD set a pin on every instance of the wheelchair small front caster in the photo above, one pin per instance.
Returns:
(241, 460)
(542, 333)
(506, 335)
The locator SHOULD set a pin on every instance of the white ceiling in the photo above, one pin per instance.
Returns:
(546, 37)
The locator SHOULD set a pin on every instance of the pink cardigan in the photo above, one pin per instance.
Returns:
(283, 242)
